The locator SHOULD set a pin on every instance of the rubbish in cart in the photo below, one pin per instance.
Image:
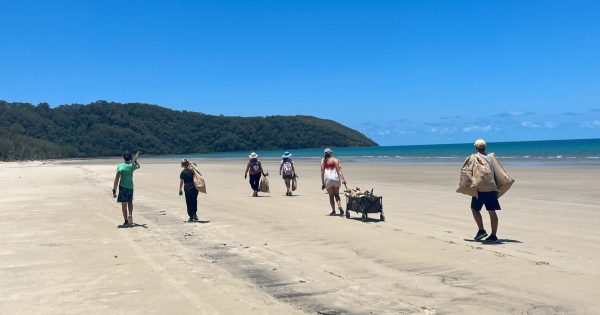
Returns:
(363, 202)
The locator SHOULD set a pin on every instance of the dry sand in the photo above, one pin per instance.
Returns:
(61, 251)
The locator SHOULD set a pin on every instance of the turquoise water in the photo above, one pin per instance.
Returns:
(585, 152)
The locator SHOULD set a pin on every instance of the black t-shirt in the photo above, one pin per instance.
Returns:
(188, 178)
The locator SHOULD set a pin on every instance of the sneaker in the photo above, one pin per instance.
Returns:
(341, 210)
(491, 239)
(195, 218)
(191, 219)
(255, 194)
(125, 223)
(332, 213)
(130, 219)
(480, 234)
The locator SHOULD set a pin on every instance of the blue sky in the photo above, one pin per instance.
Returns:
(402, 72)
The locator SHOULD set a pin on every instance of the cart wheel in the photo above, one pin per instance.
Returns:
(382, 217)
(347, 214)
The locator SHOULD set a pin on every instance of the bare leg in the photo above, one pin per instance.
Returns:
(478, 219)
(287, 185)
(336, 194)
(130, 208)
(494, 221)
(124, 210)
(331, 199)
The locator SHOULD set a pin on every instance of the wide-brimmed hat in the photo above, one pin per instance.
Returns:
(253, 155)
(184, 161)
(286, 155)
(480, 143)
(328, 151)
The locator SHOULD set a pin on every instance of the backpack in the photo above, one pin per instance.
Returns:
(288, 169)
(255, 167)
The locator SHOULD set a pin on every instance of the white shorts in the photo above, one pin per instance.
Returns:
(332, 179)
(332, 183)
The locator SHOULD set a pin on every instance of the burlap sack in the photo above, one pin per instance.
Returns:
(199, 181)
(264, 185)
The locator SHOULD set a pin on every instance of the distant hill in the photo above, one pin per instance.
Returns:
(107, 129)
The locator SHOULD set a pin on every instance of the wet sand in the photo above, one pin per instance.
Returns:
(62, 251)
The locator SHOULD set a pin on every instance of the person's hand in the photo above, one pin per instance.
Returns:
(114, 193)
(181, 193)
(245, 176)
(323, 187)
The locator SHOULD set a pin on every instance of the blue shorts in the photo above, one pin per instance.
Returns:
(488, 198)
(125, 194)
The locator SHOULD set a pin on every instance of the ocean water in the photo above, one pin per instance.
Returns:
(555, 152)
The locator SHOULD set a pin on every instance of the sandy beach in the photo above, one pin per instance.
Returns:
(62, 251)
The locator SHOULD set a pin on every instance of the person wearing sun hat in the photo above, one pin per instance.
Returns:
(254, 168)
(287, 171)
(485, 180)
(331, 174)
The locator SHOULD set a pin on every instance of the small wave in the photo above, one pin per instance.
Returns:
(592, 157)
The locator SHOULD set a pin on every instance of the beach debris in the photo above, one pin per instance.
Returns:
(116, 256)
(428, 311)
(542, 263)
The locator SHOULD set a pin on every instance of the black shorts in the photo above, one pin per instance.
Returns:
(125, 194)
(291, 176)
(489, 199)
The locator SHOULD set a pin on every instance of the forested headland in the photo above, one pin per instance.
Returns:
(105, 128)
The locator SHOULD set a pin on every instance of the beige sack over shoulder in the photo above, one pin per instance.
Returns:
(503, 181)
(465, 184)
(199, 181)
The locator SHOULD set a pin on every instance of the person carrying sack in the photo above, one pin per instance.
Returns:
(485, 180)
(288, 172)
(187, 181)
(254, 168)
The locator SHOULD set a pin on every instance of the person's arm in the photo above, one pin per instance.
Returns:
(339, 171)
(261, 169)
(294, 169)
(247, 168)
(322, 174)
(116, 183)
(280, 167)
(180, 186)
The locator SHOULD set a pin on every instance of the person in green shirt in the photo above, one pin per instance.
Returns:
(124, 179)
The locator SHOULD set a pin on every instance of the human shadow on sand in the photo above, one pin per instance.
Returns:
(199, 221)
(123, 226)
(369, 220)
(498, 242)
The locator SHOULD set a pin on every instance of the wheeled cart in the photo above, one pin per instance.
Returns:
(365, 205)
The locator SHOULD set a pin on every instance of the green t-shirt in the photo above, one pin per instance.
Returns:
(126, 171)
